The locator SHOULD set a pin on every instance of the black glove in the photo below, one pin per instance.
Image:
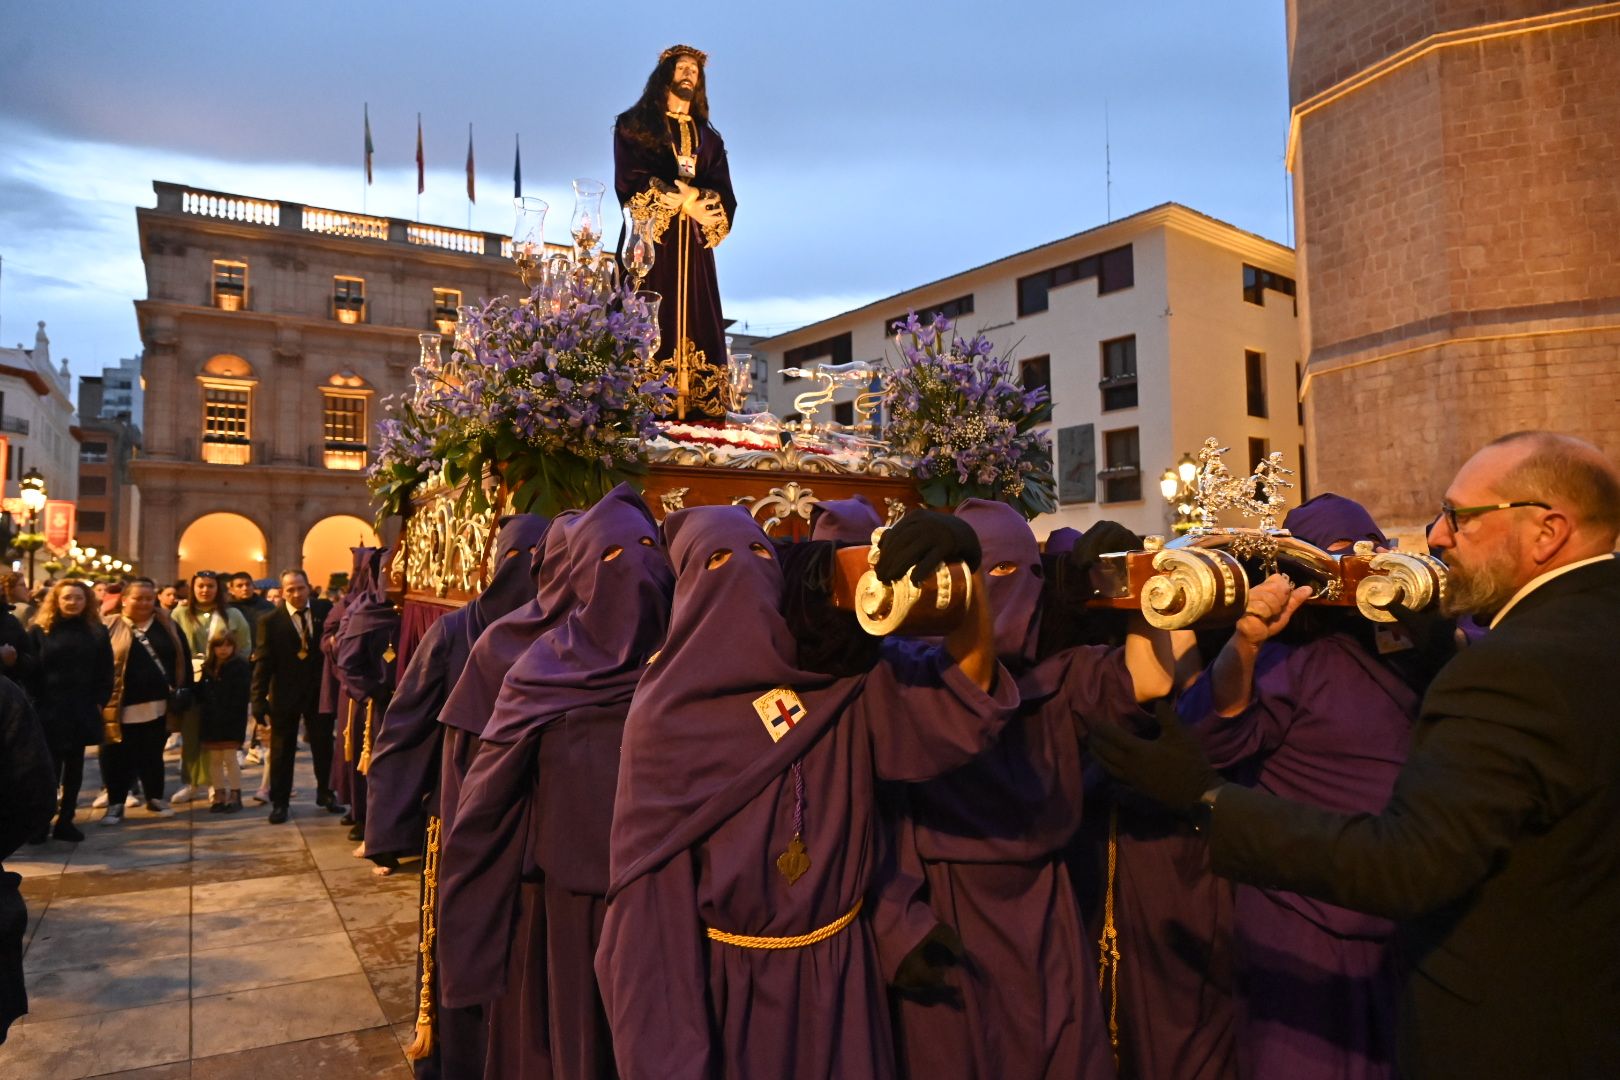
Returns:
(1099, 540)
(1171, 770)
(921, 541)
(921, 976)
(1071, 581)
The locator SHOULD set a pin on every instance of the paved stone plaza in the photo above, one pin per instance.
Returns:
(212, 946)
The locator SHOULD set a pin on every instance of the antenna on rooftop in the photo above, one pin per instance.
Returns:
(1108, 166)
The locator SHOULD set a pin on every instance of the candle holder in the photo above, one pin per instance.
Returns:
(529, 238)
(637, 252)
(586, 224)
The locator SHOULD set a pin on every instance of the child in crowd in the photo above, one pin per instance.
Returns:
(223, 693)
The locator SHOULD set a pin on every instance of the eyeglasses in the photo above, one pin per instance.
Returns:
(1453, 513)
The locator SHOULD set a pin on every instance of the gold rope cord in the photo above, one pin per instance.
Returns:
(348, 733)
(747, 941)
(422, 1045)
(1108, 943)
(365, 746)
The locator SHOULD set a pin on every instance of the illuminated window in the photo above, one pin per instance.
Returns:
(349, 299)
(445, 305)
(344, 427)
(227, 423)
(230, 285)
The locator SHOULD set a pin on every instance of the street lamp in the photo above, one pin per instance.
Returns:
(1180, 489)
(32, 489)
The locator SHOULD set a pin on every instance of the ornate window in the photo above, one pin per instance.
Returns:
(343, 421)
(230, 285)
(227, 410)
(349, 299)
(445, 305)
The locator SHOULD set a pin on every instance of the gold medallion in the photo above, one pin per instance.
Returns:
(795, 861)
(303, 654)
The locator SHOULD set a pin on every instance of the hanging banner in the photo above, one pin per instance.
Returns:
(60, 515)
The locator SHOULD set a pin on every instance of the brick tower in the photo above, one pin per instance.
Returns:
(1456, 173)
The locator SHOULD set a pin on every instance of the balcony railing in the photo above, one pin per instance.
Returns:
(468, 243)
(339, 223)
(231, 207)
(14, 424)
(221, 451)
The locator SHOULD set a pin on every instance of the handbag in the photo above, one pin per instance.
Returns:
(180, 697)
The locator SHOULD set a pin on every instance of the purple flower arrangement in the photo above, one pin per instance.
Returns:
(551, 394)
(955, 405)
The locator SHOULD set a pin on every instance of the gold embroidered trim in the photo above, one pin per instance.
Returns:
(647, 206)
(713, 234)
(422, 1045)
(747, 941)
(684, 122)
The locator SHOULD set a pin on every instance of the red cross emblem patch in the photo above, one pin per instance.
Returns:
(780, 710)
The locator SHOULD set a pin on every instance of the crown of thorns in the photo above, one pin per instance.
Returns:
(684, 50)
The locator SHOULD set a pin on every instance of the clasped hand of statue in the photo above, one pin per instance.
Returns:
(704, 211)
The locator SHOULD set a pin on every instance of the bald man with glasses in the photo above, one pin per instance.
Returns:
(1498, 854)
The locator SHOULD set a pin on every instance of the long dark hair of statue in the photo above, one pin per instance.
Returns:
(643, 123)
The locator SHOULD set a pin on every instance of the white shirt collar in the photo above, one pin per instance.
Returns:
(1536, 583)
(292, 610)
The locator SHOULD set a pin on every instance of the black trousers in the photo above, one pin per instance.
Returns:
(70, 774)
(284, 750)
(139, 755)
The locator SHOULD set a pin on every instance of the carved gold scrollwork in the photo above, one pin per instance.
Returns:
(445, 551)
(1400, 578)
(1192, 584)
(781, 504)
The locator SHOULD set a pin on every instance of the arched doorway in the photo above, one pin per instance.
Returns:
(223, 542)
(327, 544)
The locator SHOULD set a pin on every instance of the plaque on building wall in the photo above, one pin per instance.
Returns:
(1077, 464)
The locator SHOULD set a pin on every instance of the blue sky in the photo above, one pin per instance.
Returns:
(874, 146)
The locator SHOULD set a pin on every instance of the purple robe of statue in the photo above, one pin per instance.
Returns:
(1329, 725)
(991, 837)
(537, 802)
(735, 761)
(683, 268)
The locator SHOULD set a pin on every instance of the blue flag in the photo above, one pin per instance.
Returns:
(517, 168)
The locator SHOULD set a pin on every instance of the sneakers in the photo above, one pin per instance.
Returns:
(186, 794)
(131, 801)
(159, 807)
(115, 816)
(100, 801)
(66, 830)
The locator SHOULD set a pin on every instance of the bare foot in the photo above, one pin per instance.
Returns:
(360, 851)
(382, 871)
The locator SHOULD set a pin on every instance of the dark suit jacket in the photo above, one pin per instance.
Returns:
(282, 683)
(1499, 851)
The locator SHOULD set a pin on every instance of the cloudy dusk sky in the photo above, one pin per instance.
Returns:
(874, 146)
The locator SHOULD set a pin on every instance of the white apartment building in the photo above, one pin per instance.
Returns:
(37, 417)
(1153, 332)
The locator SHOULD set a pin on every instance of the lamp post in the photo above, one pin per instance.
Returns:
(32, 489)
(1179, 488)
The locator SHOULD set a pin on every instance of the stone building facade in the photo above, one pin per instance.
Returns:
(273, 331)
(1455, 172)
(109, 503)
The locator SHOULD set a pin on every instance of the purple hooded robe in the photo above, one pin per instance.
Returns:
(362, 658)
(416, 758)
(334, 699)
(847, 521)
(532, 823)
(1327, 724)
(720, 771)
(991, 837)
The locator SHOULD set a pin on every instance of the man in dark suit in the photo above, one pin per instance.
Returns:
(1498, 853)
(287, 663)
